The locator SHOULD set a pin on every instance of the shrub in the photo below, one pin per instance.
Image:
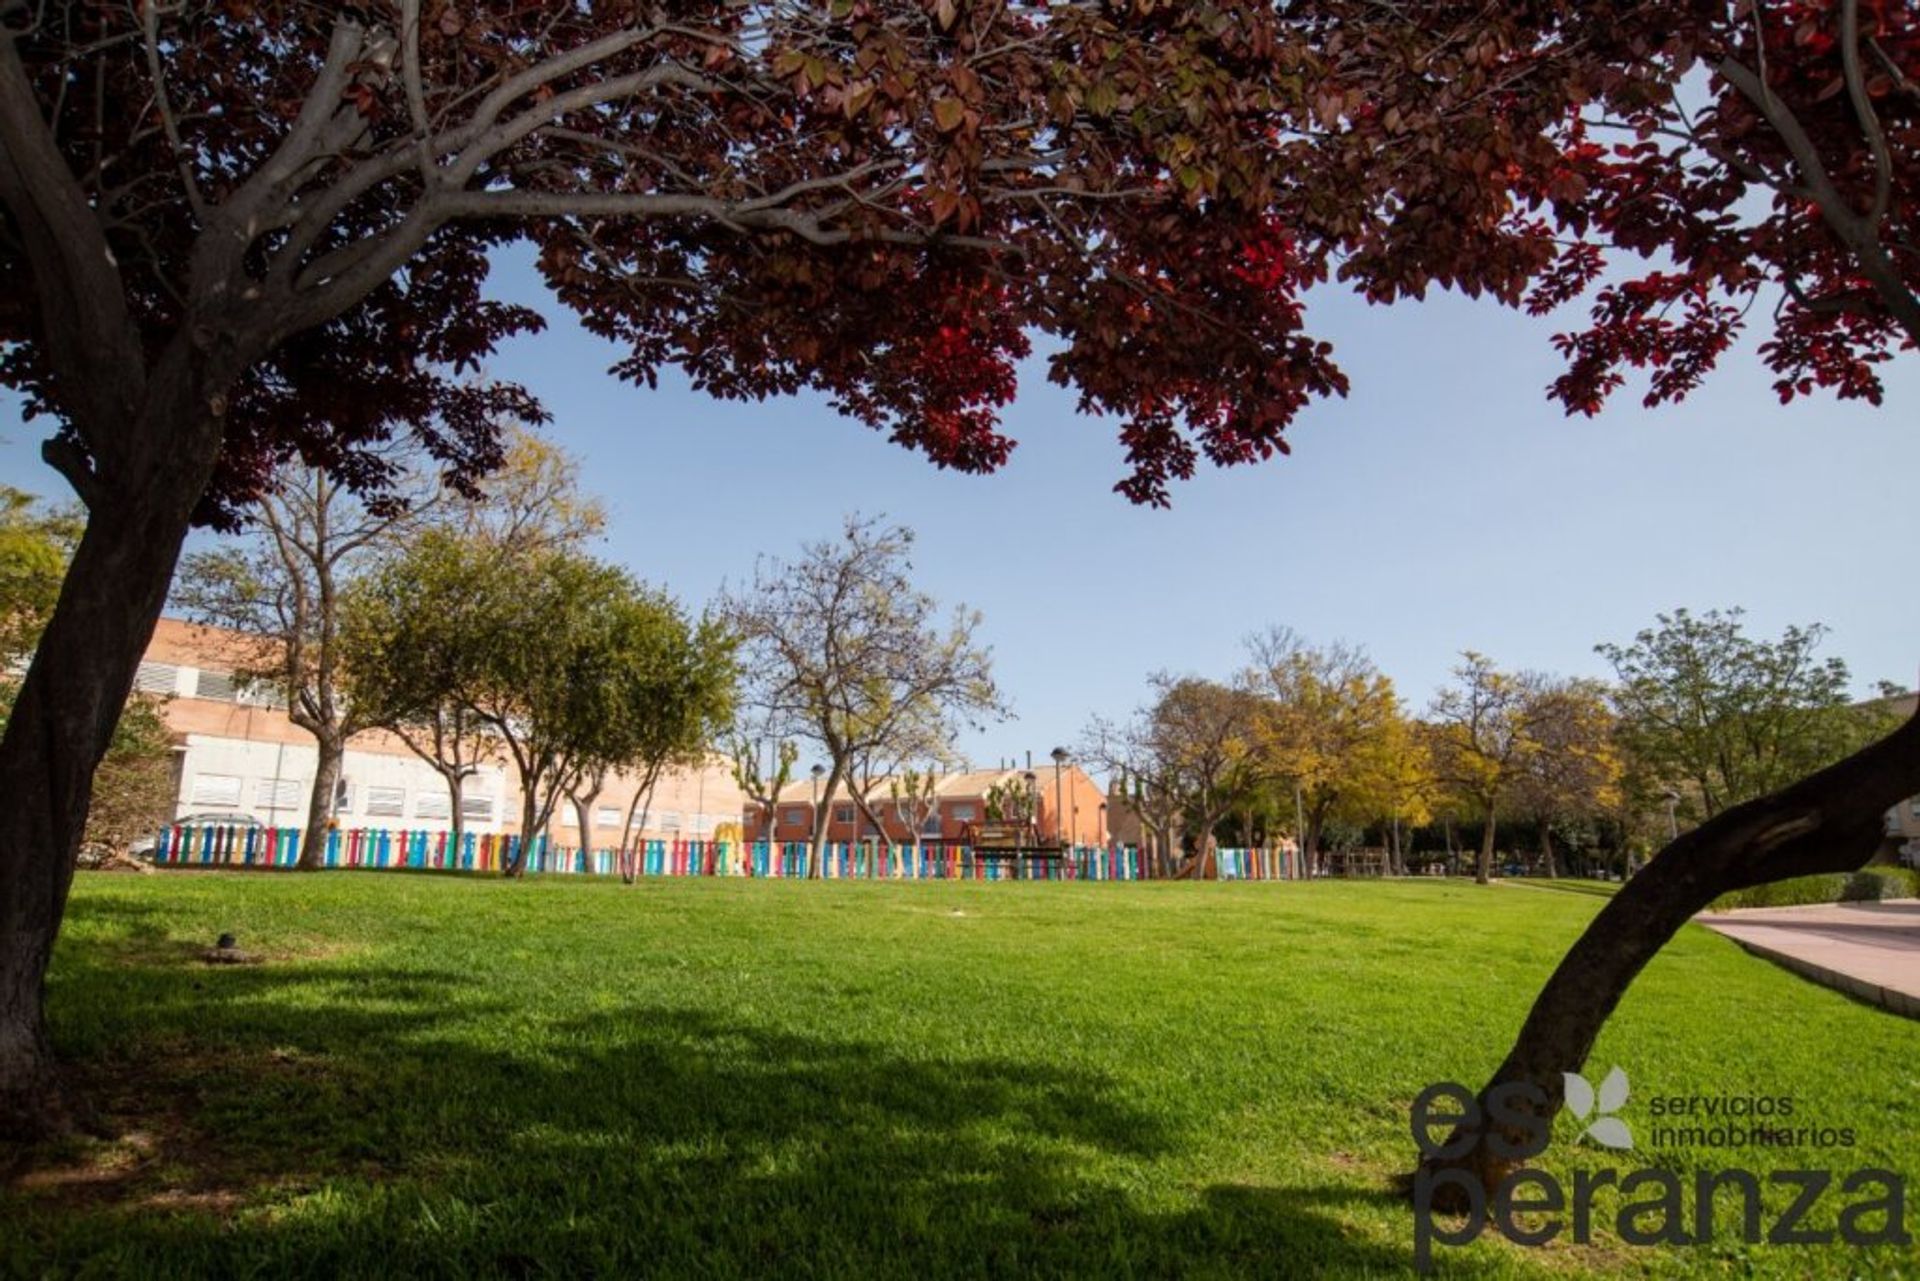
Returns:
(1869, 885)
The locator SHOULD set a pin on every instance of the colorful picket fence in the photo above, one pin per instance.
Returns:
(1259, 865)
(385, 849)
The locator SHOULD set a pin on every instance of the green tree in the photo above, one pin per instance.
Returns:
(409, 621)
(762, 765)
(568, 664)
(407, 653)
(1009, 800)
(915, 793)
(1722, 717)
(676, 687)
(35, 545)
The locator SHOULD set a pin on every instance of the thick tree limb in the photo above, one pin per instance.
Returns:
(80, 292)
(1829, 822)
(1861, 237)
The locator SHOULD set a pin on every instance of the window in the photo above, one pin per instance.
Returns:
(215, 685)
(260, 694)
(702, 823)
(219, 791)
(386, 802)
(930, 826)
(609, 816)
(343, 797)
(431, 805)
(669, 820)
(843, 813)
(793, 818)
(961, 813)
(277, 793)
(157, 678)
(476, 809)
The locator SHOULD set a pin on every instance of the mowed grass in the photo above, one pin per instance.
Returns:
(435, 1076)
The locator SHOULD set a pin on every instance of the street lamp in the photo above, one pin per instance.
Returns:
(1059, 802)
(819, 828)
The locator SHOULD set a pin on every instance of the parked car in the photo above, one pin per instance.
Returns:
(207, 818)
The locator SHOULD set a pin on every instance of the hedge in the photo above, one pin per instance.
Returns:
(1869, 885)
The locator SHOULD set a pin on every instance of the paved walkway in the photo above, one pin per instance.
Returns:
(1869, 950)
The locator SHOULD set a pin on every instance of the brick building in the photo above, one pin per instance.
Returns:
(237, 752)
(1068, 804)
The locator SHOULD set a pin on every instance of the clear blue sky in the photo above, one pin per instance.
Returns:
(1445, 504)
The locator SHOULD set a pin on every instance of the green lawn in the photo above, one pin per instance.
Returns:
(438, 1076)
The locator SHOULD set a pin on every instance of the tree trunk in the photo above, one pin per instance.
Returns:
(817, 855)
(1483, 872)
(456, 821)
(529, 822)
(1546, 850)
(60, 725)
(583, 815)
(1831, 822)
(326, 780)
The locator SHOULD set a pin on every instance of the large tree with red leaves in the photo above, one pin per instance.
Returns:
(249, 230)
(1710, 159)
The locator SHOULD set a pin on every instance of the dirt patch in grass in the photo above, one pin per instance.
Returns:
(147, 1145)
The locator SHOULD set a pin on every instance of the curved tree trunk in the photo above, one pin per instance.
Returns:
(60, 725)
(530, 822)
(1830, 822)
(822, 812)
(326, 779)
(1483, 870)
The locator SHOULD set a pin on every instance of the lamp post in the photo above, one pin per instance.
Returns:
(1673, 818)
(819, 828)
(1059, 796)
(1033, 820)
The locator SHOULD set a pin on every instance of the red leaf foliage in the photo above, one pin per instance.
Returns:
(291, 223)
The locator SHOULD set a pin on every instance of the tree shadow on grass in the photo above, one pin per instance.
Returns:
(340, 1119)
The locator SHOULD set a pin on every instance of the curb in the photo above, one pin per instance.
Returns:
(1889, 999)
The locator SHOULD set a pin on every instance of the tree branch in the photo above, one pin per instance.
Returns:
(150, 26)
(80, 294)
(1860, 237)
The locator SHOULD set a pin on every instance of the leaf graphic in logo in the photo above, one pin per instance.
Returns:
(1579, 1094)
(1613, 1091)
(1611, 1132)
(1605, 1129)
